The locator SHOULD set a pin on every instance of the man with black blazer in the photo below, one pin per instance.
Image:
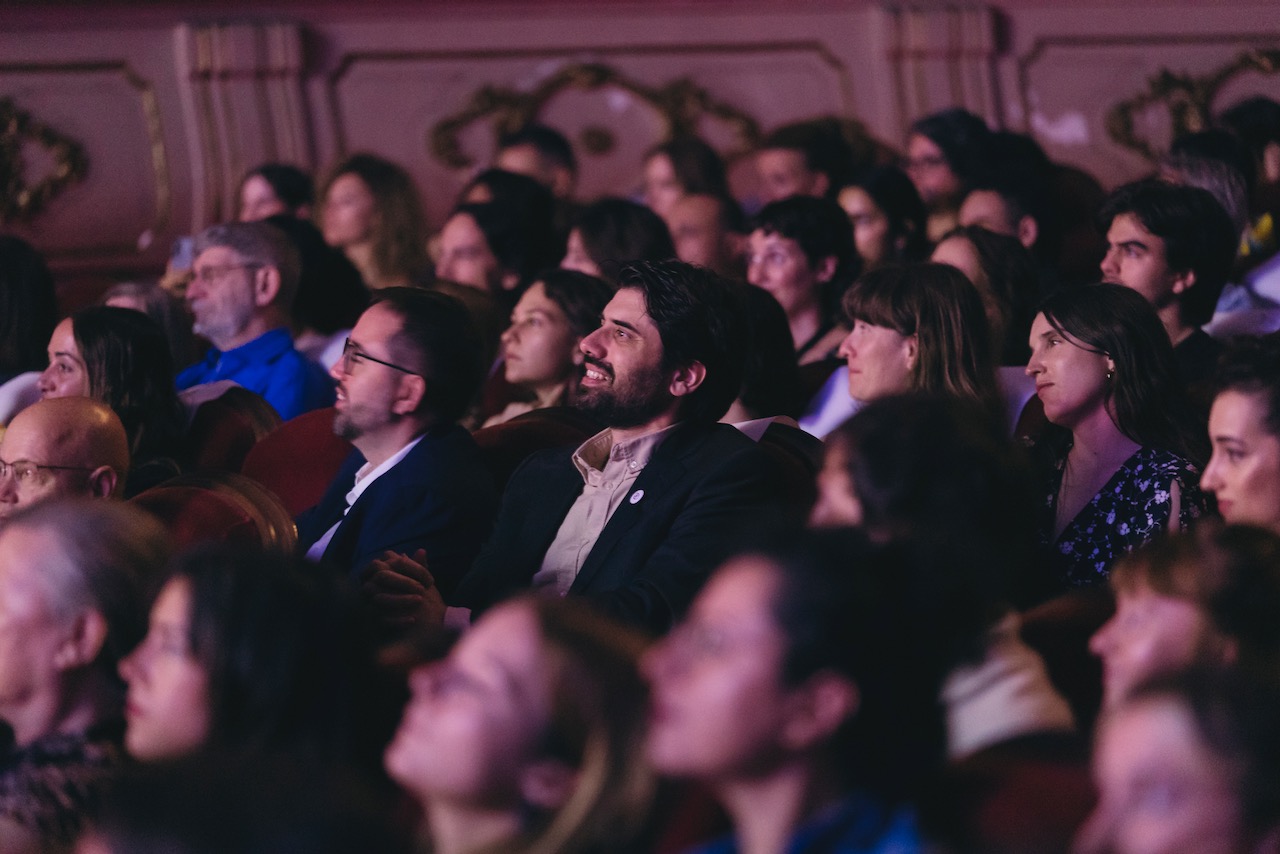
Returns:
(412, 364)
(637, 517)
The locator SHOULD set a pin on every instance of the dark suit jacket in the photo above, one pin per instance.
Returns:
(440, 497)
(700, 485)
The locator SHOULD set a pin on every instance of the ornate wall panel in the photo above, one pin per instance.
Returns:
(614, 104)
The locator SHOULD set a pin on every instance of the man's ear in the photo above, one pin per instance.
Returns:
(825, 268)
(1184, 281)
(1028, 231)
(266, 286)
(820, 706)
(547, 783)
(81, 647)
(103, 481)
(413, 388)
(687, 379)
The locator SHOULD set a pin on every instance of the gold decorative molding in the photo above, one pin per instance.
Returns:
(681, 103)
(21, 201)
(1189, 99)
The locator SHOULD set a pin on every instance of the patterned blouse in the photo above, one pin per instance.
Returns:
(48, 785)
(1132, 509)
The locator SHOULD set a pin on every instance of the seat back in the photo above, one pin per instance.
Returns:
(299, 459)
(220, 507)
(226, 427)
(505, 446)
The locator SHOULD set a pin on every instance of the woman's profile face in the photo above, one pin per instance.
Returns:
(167, 708)
(475, 720)
(718, 700)
(880, 360)
(539, 348)
(349, 212)
(1071, 378)
(1161, 789)
(258, 200)
(870, 227)
(66, 375)
(1244, 471)
(662, 188)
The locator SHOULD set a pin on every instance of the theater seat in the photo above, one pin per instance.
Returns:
(220, 507)
(504, 446)
(225, 428)
(299, 459)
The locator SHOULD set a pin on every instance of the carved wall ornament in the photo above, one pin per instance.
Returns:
(1188, 98)
(21, 200)
(681, 103)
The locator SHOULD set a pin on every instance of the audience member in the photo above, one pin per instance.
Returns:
(770, 376)
(371, 211)
(680, 167)
(1188, 763)
(804, 696)
(121, 357)
(1012, 194)
(612, 233)
(1244, 430)
(1121, 468)
(276, 188)
(75, 582)
(920, 327)
(933, 475)
(709, 231)
(497, 247)
(168, 311)
(541, 352)
(1175, 245)
(802, 253)
(250, 655)
(887, 216)
(542, 153)
(805, 158)
(526, 205)
(416, 479)
(246, 277)
(529, 736)
(635, 517)
(945, 151)
(73, 446)
(1206, 597)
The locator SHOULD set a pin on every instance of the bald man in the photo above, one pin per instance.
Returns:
(60, 447)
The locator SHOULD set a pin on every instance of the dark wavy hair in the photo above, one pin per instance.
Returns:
(942, 308)
(581, 297)
(1252, 365)
(698, 167)
(130, 368)
(293, 187)
(1014, 281)
(519, 234)
(699, 319)
(399, 247)
(962, 137)
(822, 229)
(1145, 395)
(899, 200)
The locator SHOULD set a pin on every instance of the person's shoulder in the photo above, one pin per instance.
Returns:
(1167, 463)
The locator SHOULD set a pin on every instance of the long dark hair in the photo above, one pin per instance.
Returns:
(1145, 394)
(130, 368)
(28, 308)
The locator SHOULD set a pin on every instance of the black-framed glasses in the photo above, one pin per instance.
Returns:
(352, 355)
(26, 471)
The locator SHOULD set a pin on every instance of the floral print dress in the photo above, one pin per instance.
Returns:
(1132, 509)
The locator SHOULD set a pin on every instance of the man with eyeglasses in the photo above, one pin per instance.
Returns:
(66, 446)
(411, 367)
(244, 280)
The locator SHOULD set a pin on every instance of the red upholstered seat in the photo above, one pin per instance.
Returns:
(225, 428)
(504, 446)
(220, 507)
(299, 459)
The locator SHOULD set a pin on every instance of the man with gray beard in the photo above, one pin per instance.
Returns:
(416, 481)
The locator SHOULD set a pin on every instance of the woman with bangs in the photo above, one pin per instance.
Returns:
(1116, 464)
(920, 328)
(529, 736)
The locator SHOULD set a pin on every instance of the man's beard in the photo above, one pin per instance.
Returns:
(636, 401)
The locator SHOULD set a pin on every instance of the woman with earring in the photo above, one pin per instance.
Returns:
(1120, 469)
